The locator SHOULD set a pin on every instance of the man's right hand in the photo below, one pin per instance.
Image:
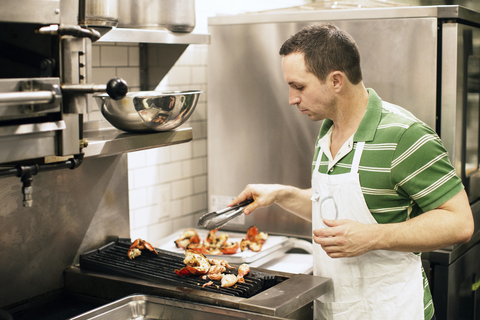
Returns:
(289, 198)
(263, 195)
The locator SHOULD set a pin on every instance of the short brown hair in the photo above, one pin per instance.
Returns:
(326, 48)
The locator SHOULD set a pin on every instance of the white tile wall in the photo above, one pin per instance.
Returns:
(168, 186)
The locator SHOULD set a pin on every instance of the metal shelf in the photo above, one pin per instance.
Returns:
(112, 141)
(153, 36)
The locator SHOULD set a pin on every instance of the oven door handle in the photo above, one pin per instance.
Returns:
(24, 97)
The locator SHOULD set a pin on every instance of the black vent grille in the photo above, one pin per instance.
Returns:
(112, 259)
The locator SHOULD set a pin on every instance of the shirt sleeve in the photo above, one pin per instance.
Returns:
(421, 169)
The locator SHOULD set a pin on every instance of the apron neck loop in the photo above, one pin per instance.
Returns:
(357, 156)
(319, 158)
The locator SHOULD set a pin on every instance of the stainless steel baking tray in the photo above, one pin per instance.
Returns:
(153, 307)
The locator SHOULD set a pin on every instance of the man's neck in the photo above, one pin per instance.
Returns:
(351, 110)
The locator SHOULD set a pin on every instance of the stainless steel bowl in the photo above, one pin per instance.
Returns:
(148, 111)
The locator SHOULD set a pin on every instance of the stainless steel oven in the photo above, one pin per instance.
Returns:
(45, 76)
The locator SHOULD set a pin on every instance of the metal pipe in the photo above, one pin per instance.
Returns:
(116, 88)
(26, 173)
(84, 88)
(9, 172)
(27, 97)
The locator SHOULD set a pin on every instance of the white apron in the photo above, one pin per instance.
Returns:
(380, 284)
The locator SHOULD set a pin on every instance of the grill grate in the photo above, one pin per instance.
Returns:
(112, 259)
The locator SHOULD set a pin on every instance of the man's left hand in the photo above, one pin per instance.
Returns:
(345, 238)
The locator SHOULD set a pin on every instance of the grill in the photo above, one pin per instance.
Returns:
(108, 274)
(113, 259)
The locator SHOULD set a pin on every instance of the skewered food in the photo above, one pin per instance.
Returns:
(139, 244)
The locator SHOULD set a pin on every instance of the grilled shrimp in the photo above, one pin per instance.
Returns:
(221, 263)
(137, 245)
(197, 264)
(243, 270)
(228, 280)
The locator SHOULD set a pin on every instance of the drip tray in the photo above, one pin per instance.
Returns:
(152, 307)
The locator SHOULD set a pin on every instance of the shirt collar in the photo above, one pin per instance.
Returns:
(368, 126)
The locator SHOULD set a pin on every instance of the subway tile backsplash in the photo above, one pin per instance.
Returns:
(168, 185)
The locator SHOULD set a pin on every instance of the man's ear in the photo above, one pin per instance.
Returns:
(337, 79)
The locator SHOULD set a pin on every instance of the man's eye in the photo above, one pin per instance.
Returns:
(299, 88)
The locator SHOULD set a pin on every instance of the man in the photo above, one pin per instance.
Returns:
(383, 189)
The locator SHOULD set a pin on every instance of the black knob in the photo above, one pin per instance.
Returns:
(117, 88)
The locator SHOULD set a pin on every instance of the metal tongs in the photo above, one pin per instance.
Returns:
(216, 219)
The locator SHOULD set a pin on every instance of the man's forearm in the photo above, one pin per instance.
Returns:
(449, 224)
(295, 200)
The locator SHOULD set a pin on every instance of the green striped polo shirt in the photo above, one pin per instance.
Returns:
(404, 169)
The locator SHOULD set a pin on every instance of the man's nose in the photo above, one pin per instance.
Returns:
(293, 99)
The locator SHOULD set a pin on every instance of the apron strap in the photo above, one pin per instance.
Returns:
(357, 156)
(319, 158)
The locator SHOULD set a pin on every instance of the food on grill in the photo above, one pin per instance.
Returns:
(243, 270)
(188, 237)
(196, 264)
(228, 280)
(209, 283)
(139, 244)
(214, 269)
(221, 263)
(215, 272)
(254, 240)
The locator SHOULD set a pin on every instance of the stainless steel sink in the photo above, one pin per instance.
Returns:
(153, 307)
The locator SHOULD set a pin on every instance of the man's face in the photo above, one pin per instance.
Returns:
(312, 97)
